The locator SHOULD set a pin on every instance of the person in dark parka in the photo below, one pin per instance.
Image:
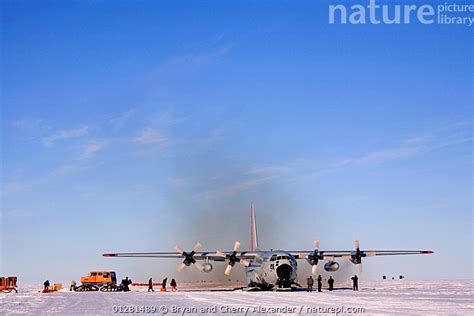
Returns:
(46, 284)
(320, 283)
(163, 285)
(125, 283)
(150, 285)
(331, 283)
(355, 283)
(173, 285)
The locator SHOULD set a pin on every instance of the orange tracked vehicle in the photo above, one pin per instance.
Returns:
(8, 284)
(99, 281)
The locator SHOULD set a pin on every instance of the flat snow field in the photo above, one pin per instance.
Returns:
(374, 298)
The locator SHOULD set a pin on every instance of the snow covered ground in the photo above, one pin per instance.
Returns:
(375, 298)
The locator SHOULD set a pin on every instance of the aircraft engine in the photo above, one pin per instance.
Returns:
(331, 266)
(207, 267)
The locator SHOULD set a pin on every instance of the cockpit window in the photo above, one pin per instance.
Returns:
(275, 257)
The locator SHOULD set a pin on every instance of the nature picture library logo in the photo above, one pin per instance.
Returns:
(371, 12)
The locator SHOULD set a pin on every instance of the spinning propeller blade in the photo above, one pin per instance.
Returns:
(180, 267)
(188, 258)
(316, 244)
(313, 258)
(314, 270)
(178, 249)
(237, 246)
(199, 266)
(233, 259)
(220, 254)
(357, 243)
(228, 270)
(197, 246)
(358, 256)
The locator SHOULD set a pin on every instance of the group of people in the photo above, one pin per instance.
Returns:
(173, 285)
(310, 283)
(125, 285)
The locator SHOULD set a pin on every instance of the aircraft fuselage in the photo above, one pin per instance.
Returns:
(275, 269)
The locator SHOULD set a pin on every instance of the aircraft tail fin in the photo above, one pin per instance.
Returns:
(253, 230)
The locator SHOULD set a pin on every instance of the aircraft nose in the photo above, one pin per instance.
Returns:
(284, 271)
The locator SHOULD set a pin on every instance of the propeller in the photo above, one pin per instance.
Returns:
(314, 257)
(189, 258)
(357, 256)
(233, 259)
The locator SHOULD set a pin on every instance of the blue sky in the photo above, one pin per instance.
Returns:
(136, 125)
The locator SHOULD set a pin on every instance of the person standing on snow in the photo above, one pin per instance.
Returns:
(173, 285)
(150, 285)
(46, 285)
(163, 285)
(355, 283)
(125, 283)
(310, 282)
(331, 283)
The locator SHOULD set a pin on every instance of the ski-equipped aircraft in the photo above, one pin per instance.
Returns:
(271, 269)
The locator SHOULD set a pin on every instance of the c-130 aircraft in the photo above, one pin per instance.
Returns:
(266, 270)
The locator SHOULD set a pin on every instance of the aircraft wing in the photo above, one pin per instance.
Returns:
(299, 254)
(364, 253)
(201, 255)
